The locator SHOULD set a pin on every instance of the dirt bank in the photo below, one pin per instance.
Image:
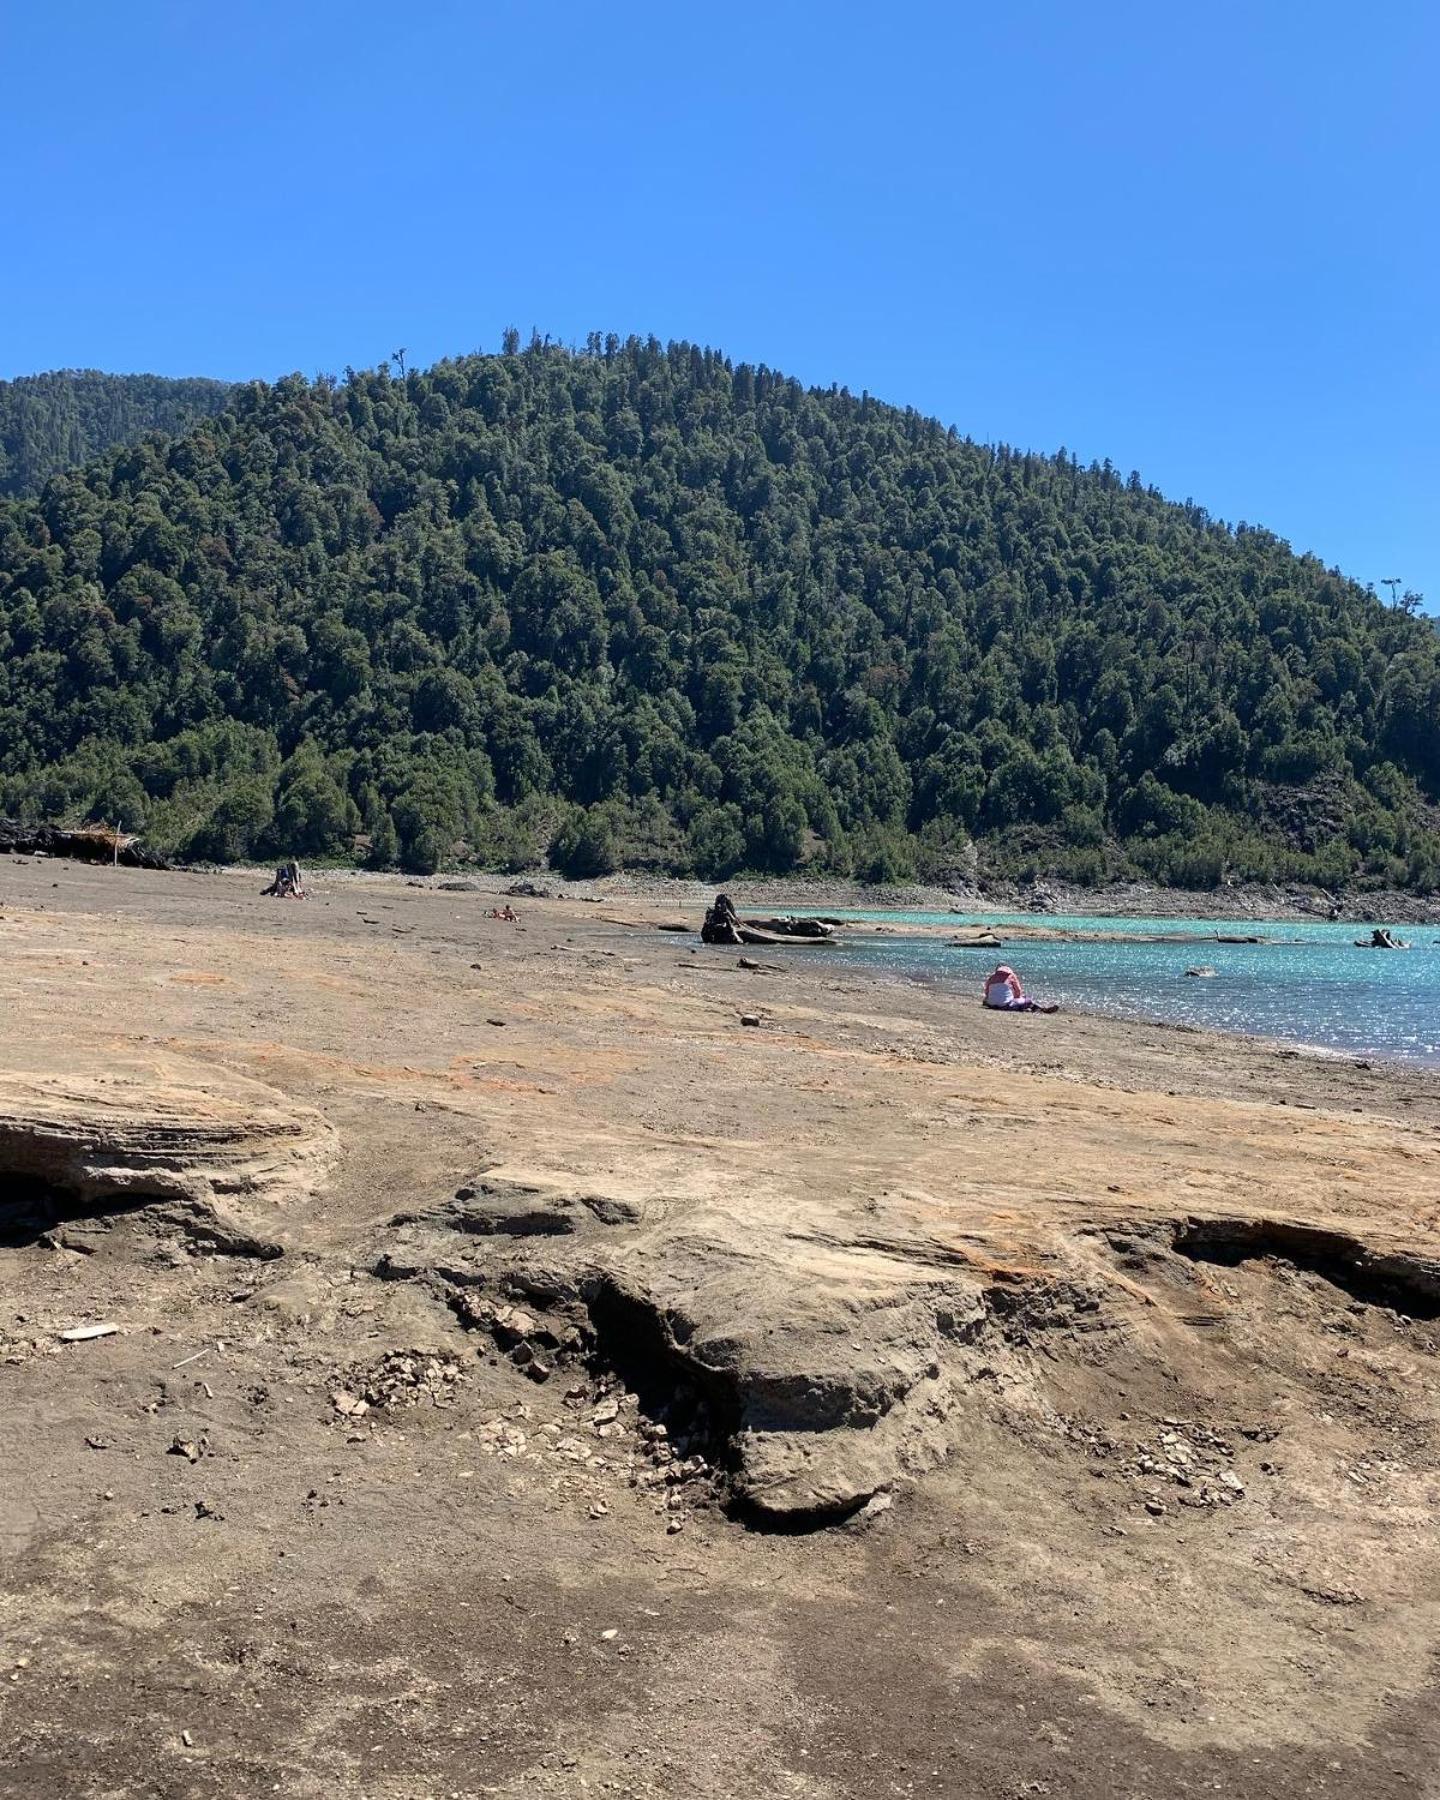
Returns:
(529, 1379)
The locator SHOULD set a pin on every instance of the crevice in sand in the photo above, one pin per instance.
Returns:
(34, 1211)
(737, 1413)
(1398, 1280)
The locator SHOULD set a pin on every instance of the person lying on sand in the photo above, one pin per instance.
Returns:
(1003, 993)
(506, 914)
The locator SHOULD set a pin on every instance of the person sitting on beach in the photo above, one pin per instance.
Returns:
(1003, 993)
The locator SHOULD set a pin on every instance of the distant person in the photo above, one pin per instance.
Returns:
(1003, 993)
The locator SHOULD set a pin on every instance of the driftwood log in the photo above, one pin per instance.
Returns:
(752, 934)
(797, 928)
(86, 843)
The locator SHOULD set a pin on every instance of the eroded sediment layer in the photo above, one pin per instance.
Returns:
(829, 1369)
(200, 1148)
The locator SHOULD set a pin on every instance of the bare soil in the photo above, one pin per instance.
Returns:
(299, 1529)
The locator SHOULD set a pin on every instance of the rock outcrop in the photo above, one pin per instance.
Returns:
(827, 1367)
(206, 1144)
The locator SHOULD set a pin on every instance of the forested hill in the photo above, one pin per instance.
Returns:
(639, 603)
(57, 421)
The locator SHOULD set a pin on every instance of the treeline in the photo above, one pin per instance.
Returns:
(53, 422)
(638, 604)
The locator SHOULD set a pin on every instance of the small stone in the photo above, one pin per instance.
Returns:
(1155, 1507)
(751, 1019)
(607, 1636)
(511, 1324)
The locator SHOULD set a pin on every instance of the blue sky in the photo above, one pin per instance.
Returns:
(1203, 241)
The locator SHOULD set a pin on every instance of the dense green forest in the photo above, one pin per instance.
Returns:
(636, 604)
(57, 421)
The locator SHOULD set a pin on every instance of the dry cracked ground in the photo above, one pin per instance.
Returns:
(526, 1379)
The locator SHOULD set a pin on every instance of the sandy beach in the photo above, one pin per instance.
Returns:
(532, 1378)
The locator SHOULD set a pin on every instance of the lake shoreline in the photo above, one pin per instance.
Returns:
(1251, 902)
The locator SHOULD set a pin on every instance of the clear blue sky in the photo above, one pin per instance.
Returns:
(1202, 240)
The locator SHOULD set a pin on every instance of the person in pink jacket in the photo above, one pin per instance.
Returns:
(1003, 993)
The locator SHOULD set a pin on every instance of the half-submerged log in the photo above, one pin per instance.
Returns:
(751, 934)
(797, 928)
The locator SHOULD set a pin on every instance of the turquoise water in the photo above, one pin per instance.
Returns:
(1309, 986)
